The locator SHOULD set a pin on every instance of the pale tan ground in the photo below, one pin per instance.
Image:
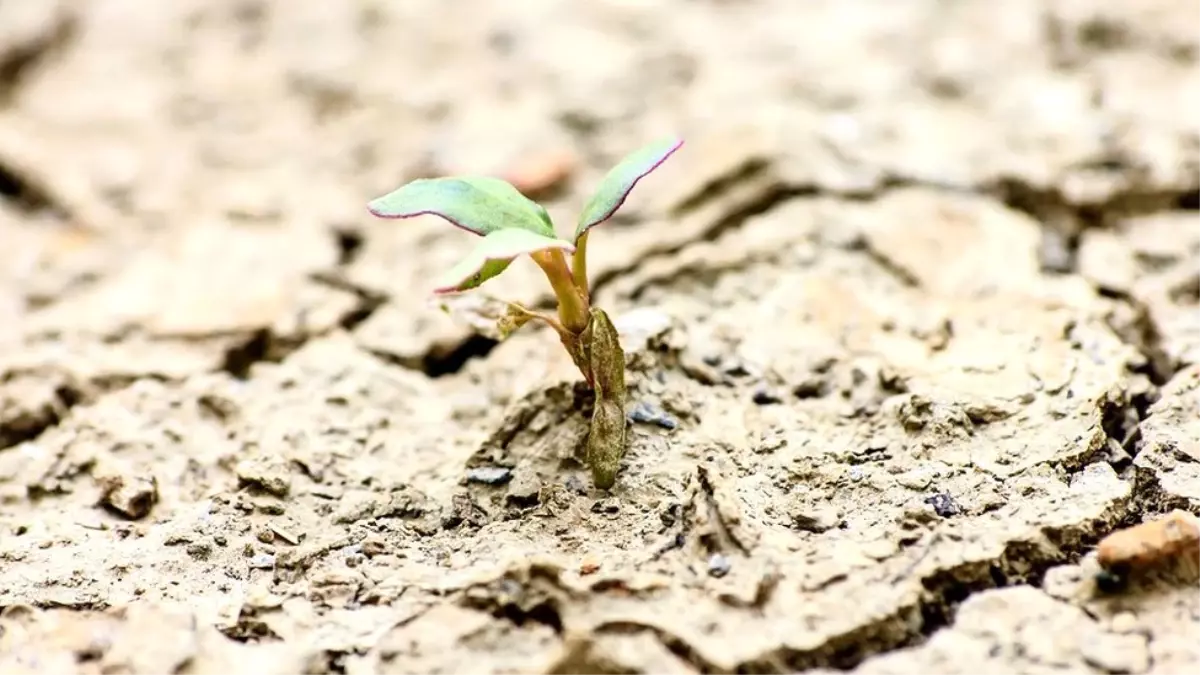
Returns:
(919, 295)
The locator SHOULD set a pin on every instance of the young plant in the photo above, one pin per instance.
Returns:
(512, 225)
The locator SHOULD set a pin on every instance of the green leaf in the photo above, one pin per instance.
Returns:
(479, 204)
(493, 255)
(619, 181)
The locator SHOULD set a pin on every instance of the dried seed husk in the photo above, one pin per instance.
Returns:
(606, 439)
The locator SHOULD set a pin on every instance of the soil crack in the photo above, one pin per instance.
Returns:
(436, 361)
(24, 56)
(1144, 335)
(673, 643)
(25, 192)
(720, 536)
(1022, 562)
(1064, 221)
(441, 361)
(34, 409)
(529, 594)
(266, 346)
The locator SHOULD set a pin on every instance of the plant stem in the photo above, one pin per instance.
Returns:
(579, 266)
(572, 304)
(536, 315)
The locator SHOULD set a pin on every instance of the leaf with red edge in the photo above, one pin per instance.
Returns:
(478, 204)
(620, 181)
(493, 255)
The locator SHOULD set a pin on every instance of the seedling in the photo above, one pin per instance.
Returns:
(512, 225)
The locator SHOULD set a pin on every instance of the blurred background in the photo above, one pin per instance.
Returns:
(180, 167)
(875, 199)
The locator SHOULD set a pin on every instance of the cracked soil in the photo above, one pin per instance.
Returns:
(911, 324)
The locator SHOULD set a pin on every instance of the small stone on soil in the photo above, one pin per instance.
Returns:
(265, 475)
(718, 565)
(270, 508)
(285, 534)
(489, 475)
(263, 561)
(645, 413)
(373, 546)
(639, 326)
(130, 496)
(575, 485)
(199, 550)
(464, 511)
(524, 491)
(816, 520)
(943, 505)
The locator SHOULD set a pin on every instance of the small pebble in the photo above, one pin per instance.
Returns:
(263, 561)
(943, 505)
(645, 413)
(639, 326)
(199, 550)
(285, 534)
(816, 520)
(718, 565)
(918, 479)
(575, 485)
(373, 546)
(131, 496)
(524, 491)
(270, 508)
(267, 475)
(489, 475)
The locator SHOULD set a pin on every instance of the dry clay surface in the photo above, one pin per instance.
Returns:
(911, 323)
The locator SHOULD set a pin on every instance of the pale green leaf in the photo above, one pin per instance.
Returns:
(479, 204)
(493, 255)
(620, 180)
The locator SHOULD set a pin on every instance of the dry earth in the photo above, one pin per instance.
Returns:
(911, 324)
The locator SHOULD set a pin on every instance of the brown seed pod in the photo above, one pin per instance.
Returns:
(606, 439)
(1153, 545)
